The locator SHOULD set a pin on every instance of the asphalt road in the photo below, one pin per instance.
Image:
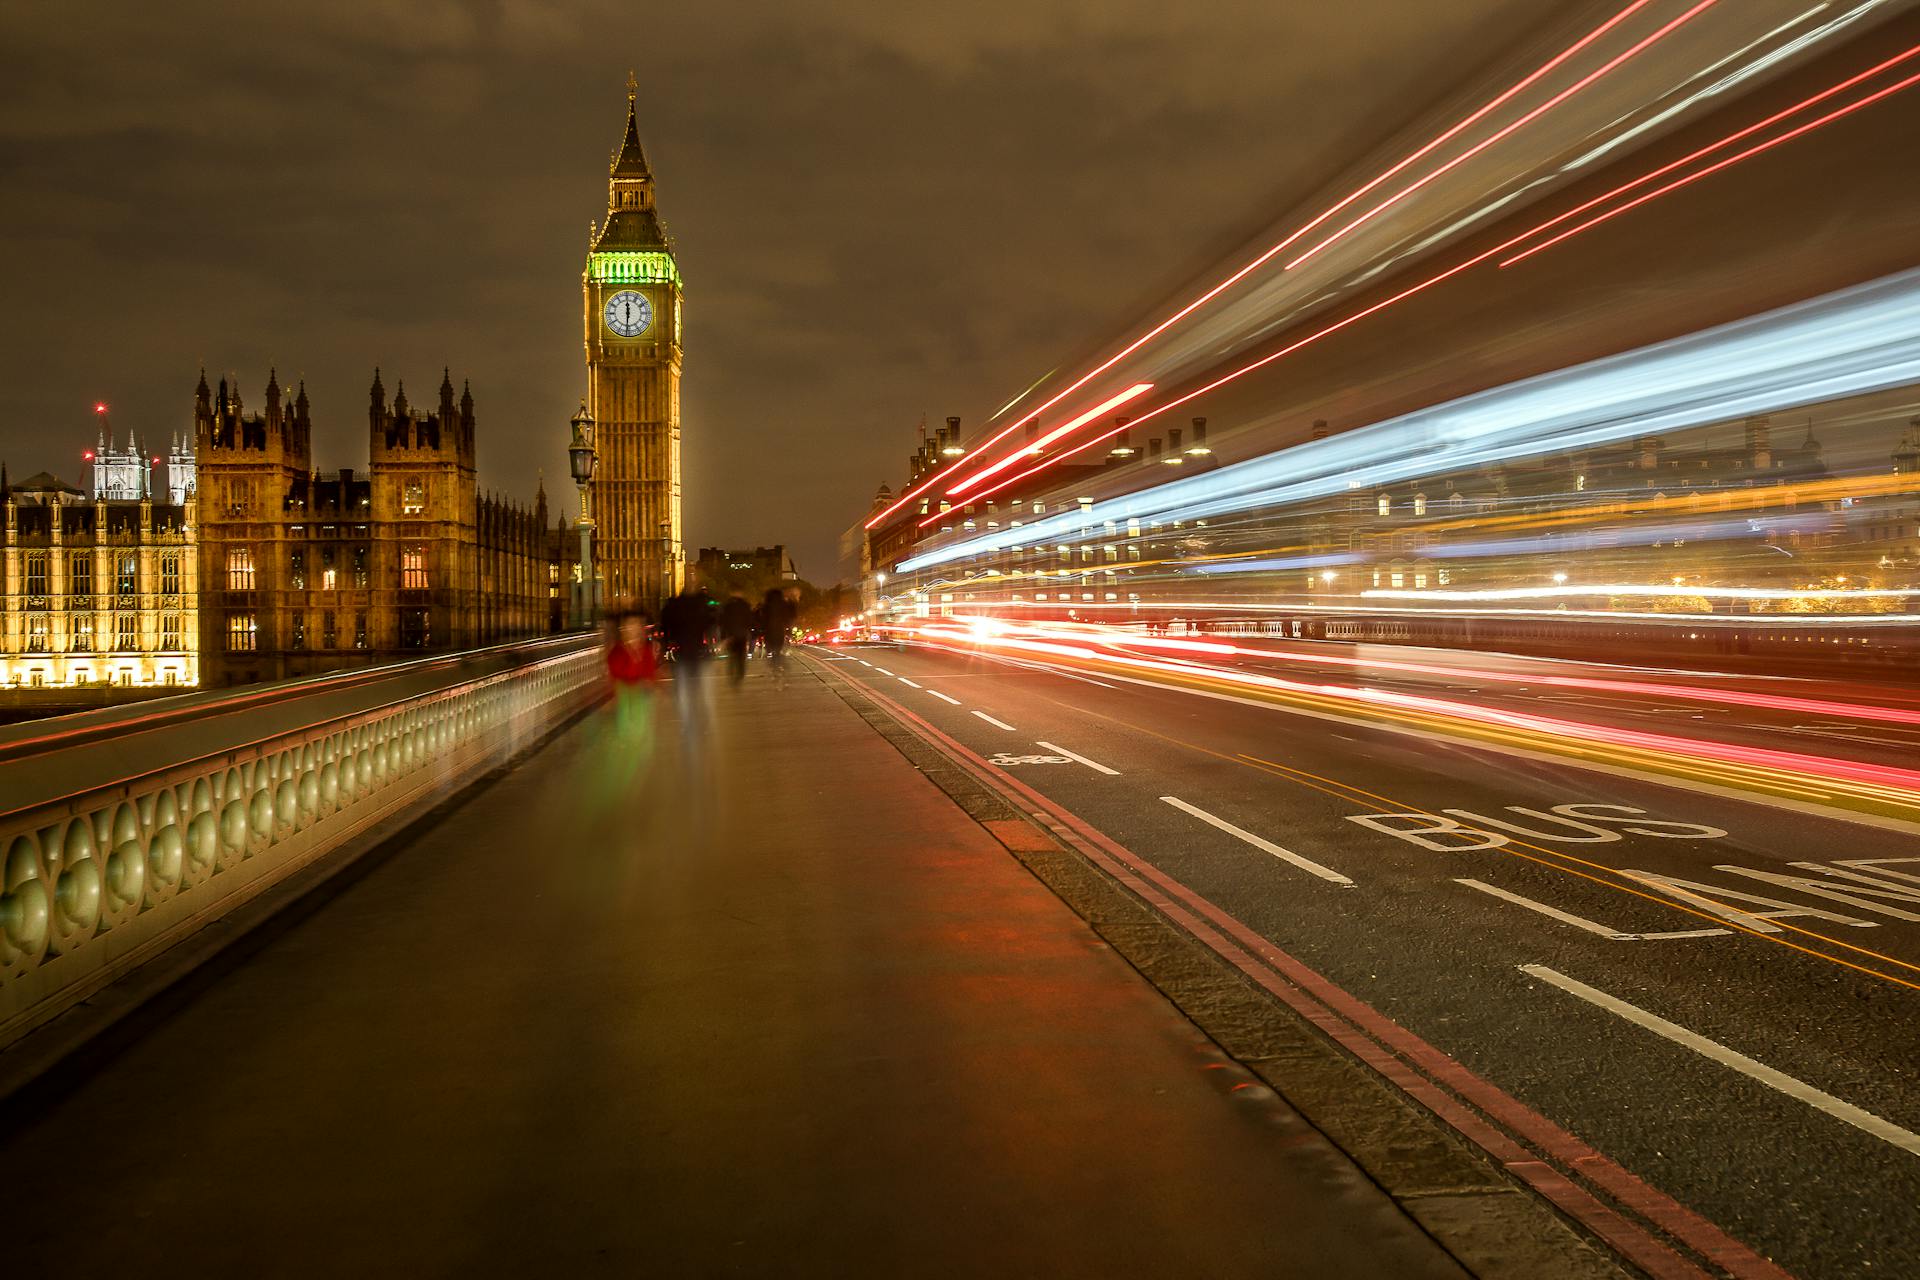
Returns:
(1739, 1032)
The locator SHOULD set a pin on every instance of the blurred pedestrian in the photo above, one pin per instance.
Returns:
(776, 622)
(632, 668)
(736, 628)
(684, 627)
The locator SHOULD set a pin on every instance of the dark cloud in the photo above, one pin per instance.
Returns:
(882, 209)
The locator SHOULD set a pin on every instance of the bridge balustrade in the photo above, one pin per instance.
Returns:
(123, 832)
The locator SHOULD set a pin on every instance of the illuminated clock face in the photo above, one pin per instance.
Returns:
(629, 313)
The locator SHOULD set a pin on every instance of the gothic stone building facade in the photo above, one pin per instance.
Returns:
(631, 315)
(98, 592)
(303, 572)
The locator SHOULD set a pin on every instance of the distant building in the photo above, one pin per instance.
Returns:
(97, 592)
(752, 573)
(307, 572)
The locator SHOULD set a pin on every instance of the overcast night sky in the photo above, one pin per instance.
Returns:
(882, 210)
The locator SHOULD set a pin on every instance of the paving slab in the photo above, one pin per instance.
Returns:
(718, 988)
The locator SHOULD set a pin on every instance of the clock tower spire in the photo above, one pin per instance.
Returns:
(631, 312)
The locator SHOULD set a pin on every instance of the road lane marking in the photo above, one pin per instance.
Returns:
(1266, 846)
(910, 684)
(1071, 676)
(1556, 859)
(1865, 1121)
(998, 724)
(882, 670)
(943, 697)
(1095, 765)
(1579, 922)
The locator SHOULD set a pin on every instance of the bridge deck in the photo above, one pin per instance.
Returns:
(753, 1000)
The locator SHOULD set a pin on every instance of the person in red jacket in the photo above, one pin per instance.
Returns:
(632, 667)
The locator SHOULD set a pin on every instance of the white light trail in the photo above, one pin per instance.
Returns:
(1852, 342)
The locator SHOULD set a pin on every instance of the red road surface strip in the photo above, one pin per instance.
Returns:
(1406, 1060)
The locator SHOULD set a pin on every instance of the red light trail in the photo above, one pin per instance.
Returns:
(1137, 390)
(1530, 233)
(1427, 149)
(1736, 158)
(1875, 776)
(1522, 122)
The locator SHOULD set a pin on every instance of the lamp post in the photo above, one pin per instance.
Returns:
(666, 564)
(580, 459)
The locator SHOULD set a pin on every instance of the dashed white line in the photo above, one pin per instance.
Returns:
(910, 684)
(998, 724)
(882, 670)
(1264, 845)
(1793, 1088)
(1095, 765)
(943, 697)
(1579, 922)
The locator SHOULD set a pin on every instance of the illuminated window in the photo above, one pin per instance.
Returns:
(127, 575)
(329, 579)
(170, 631)
(239, 572)
(36, 573)
(299, 631)
(297, 570)
(413, 498)
(82, 633)
(37, 632)
(413, 568)
(1419, 504)
(1385, 505)
(243, 633)
(170, 574)
(1579, 484)
(80, 573)
(359, 566)
(126, 636)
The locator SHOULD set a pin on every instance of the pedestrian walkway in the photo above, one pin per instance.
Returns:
(742, 994)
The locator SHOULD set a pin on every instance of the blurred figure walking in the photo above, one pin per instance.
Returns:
(736, 627)
(686, 627)
(776, 620)
(632, 667)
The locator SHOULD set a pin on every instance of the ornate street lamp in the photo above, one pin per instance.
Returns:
(581, 459)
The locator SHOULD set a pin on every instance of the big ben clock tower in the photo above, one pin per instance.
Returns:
(631, 301)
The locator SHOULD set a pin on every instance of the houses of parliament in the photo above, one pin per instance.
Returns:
(233, 560)
(229, 559)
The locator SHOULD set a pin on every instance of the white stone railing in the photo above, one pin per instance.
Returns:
(97, 881)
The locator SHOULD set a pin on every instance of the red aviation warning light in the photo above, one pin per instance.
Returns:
(100, 406)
